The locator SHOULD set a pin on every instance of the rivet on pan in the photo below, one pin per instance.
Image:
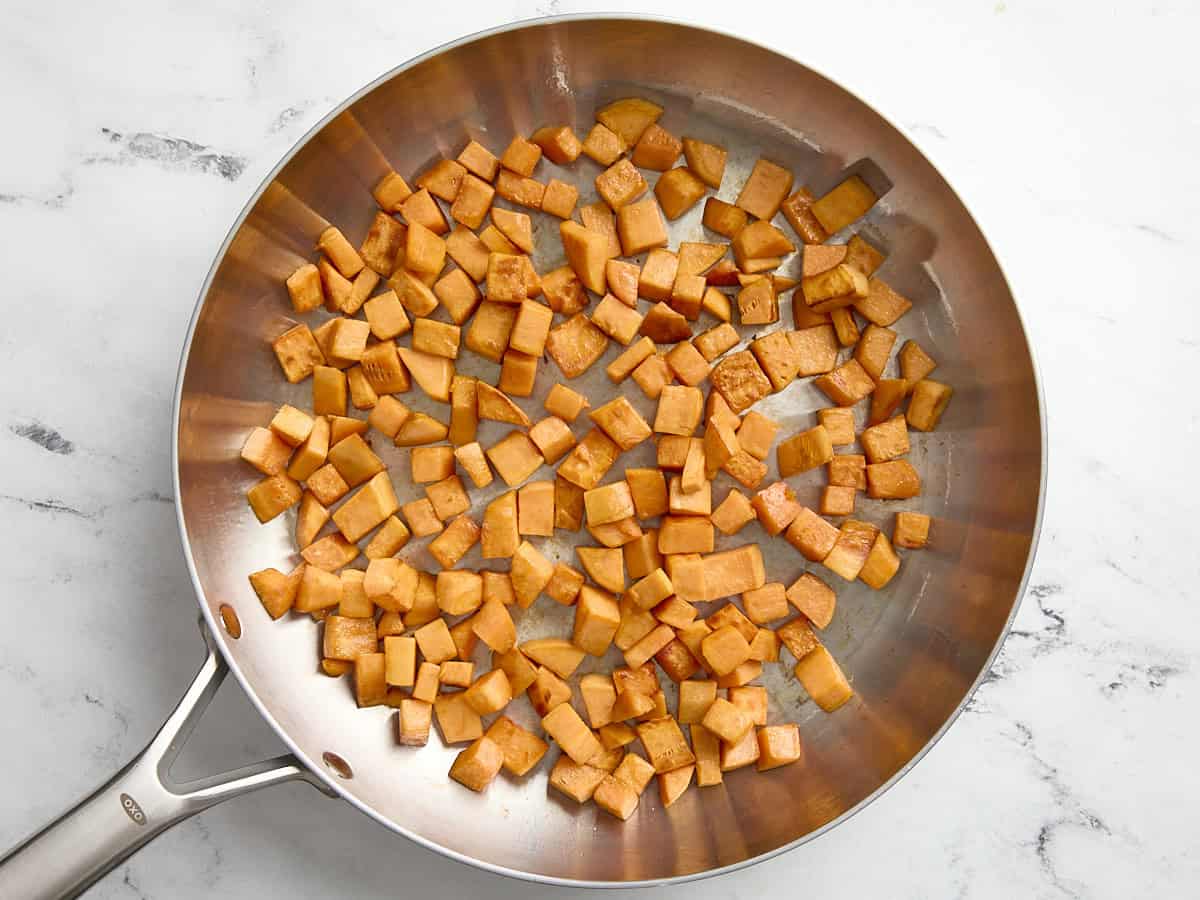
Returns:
(340, 767)
(229, 618)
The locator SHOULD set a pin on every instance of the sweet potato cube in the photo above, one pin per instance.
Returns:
(745, 469)
(706, 160)
(304, 288)
(929, 400)
(841, 286)
(605, 565)
(678, 191)
(881, 565)
(400, 661)
(850, 552)
(816, 349)
(675, 658)
(733, 513)
(640, 227)
(590, 460)
(804, 451)
(576, 781)
(598, 696)
(839, 424)
(548, 691)
(848, 201)
(565, 403)
(559, 198)
(778, 745)
(568, 505)
(726, 721)
(298, 353)
(634, 626)
(493, 625)
(368, 507)
(563, 587)
(317, 590)
(740, 380)
(633, 770)
(695, 698)
(687, 364)
(489, 693)
(797, 209)
(266, 451)
(656, 149)
(685, 534)
(641, 554)
(469, 252)
(838, 500)
(732, 572)
(885, 441)
(570, 732)
(521, 156)
(679, 410)
(370, 687)
(459, 592)
(522, 748)
(665, 744)
(911, 530)
(435, 642)
(535, 509)
(889, 393)
(765, 604)
(776, 506)
(500, 536)
(603, 145)
(741, 754)
(637, 353)
(617, 320)
(823, 679)
(558, 143)
(729, 614)
(778, 358)
(811, 535)
(892, 480)
(724, 650)
(664, 325)
(474, 463)
(506, 278)
(820, 258)
(707, 747)
(620, 185)
(814, 598)
(459, 723)
(723, 218)
(752, 701)
(756, 434)
(448, 497)
(575, 344)
(622, 423)
(616, 534)
(422, 520)
(757, 303)
(596, 621)
(530, 573)
(329, 391)
(760, 240)
(695, 503)
(629, 117)
(915, 363)
(519, 190)
(478, 160)
(515, 457)
(615, 797)
(645, 648)
(472, 202)
(873, 349)
(765, 189)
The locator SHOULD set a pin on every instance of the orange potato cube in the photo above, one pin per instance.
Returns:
(723, 218)
(641, 554)
(521, 191)
(656, 149)
(816, 349)
(530, 574)
(679, 410)
(400, 660)
(765, 189)
(745, 469)
(839, 424)
(740, 380)
(565, 403)
(688, 365)
(640, 227)
(797, 209)
(848, 201)
(881, 565)
(478, 765)
(629, 117)
(757, 303)
(678, 191)
(370, 688)
(658, 274)
(695, 698)
(756, 434)
(596, 621)
(706, 160)
(568, 505)
(298, 353)
(474, 463)
(575, 344)
(304, 288)
(929, 400)
(893, 480)
(590, 460)
(558, 143)
(915, 363)
(645, 648)
(500, 535)
(559, 198)
(576, 781)
(422, 520)
(617, 320)
(665, 326)
(732, 572)
(765, 604)
(603, 145)
(615, 797)
(733, 513)
(435, 642)
(522, 748)
(490, 329)
(478, 160)
(685, 534)
(489, 693)
(885, 441)
(778, 357)
(620, 184)
(778, 745)
(823, 679)
(886, 399)
(696, 503)
(459, 592)
(838, 500)
(911, 530)
(665, 744)
(873, 350)
(741, 754)
(521, 156)
(515, 458)
(564, 584)
(598, 696)
(804, 451)
(637, 353)
(729, 614)
(571, 733)
(535, 509)
(347, 638)
(494, 626)
(724, 650)
(726, 721)
(850, 552)
(811, 535)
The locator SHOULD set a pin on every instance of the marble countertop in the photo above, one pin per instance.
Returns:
(137, 134)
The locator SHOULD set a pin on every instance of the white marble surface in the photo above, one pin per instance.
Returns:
(135, 132)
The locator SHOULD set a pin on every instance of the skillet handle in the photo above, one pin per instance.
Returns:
(140, 802)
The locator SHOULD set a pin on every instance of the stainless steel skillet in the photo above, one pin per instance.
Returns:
(914, 652)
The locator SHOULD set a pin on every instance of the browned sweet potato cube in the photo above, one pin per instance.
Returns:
(849, 553)
(575, 344)
(521, 156)
(640, 226)
(688, 365)
(629, 117)
(478, 765)
(886, 440)
(678, 191)
(804, 451)
(848, 201)
(522, 749)
(568, 504)
(911, 530)
(929, 400)
(665, 744)
(740, 380)
(757, 303)
(565, 403)
(823, 679)
(656, 149)
(848, 470)
(499, 536)
(515, 457)
(889, 393)
(559, 198)
(621, 422)
(723, 218)
(716, 340)
(724, 650)
(838, 500)
(892, 480)
(679, 410)
(609, 503)
(298, 353)
(620, 184)
(811, 535)
(915, 363)
(881, 565)
(816, 349)
(776, 506)
(706, 160)
(530, 574)
(558, 143)
(616, 534)
(641, 554)
(813, 597)
(522, 191)
(873, 349)
(685, 534)
(563, 587)
(839, 424)
(745, 469)
(847, 384)
(535, 508)
(490, 328)
(603, 145)
(756, 434)
(570, 732)
(596, 621)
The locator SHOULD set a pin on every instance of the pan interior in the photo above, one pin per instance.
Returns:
(912, 651)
